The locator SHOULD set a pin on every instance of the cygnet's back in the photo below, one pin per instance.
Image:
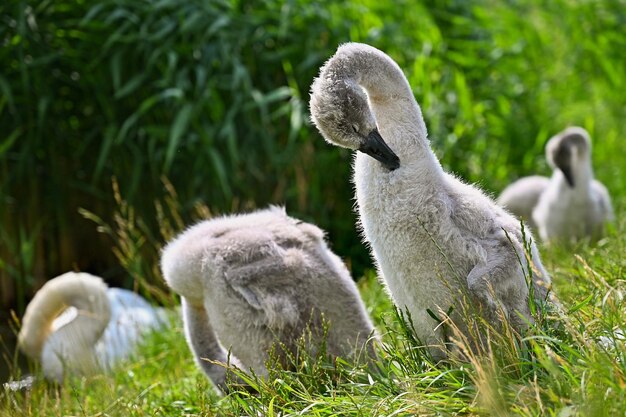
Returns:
(250, 281)
(521, 197)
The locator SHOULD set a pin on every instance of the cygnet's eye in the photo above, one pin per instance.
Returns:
(355, 128)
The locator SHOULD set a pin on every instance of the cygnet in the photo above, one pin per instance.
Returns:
(262, 281)
(76, 325)
(574, 205)
(435, 238)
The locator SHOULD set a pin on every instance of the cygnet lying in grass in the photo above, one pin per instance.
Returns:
(76, 325)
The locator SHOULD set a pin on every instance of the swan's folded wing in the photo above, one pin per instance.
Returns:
(268, 284)
(604, 200)
(500, 285)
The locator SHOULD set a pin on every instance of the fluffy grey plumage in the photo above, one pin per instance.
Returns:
(433, 236)
(573, 205)
(250, 281)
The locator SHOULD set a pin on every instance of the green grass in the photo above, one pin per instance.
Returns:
(560, 369)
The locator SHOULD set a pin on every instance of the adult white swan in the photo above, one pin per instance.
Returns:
(76, 325)
(255, 282)
(435, 238)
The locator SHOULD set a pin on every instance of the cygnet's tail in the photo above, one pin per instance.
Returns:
(85, 292)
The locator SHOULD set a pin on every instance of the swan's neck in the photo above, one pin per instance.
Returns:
(87, 294)
(401, 125)
(583, 178)
(80, 335)
(398, 116)
(184, 263)
(72, 347)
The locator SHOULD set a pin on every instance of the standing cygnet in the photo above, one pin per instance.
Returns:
(573, 205)
(257, 281)
(433, 236)
(76, 325)
(521, 197)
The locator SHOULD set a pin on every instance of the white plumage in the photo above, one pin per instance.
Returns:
(574, 205)
(569, 205)
(257, 281)
(75, 325)
(434, 237)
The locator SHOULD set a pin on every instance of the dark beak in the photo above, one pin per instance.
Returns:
(569, 177)
(376, 147)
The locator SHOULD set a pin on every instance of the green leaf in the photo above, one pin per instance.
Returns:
(581, 304)
(179, 127)
(5, 89)
(6, 144)
(220, 170)
(132, 84)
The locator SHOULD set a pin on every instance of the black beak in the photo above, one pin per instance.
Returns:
(569, 177)
(376, 147)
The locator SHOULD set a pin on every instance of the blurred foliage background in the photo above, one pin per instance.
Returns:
(149, 114)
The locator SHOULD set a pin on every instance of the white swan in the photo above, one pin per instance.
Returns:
(573, 205)
(521, 197)
(432, 235)
(76, 325)
(251, 282)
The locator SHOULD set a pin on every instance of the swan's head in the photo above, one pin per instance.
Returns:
(568, 151)
(341, 112)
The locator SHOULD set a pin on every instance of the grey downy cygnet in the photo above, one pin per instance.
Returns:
(573, 205)
(256, 282)
(433, 236)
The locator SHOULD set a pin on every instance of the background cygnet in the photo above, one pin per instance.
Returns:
(76, 325)
(253, 281)
(435, 238)
(573, 205)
